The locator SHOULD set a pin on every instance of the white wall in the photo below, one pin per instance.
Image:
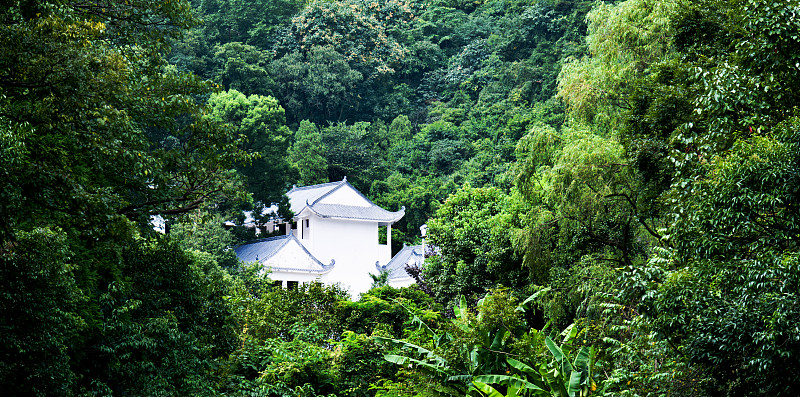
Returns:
(292, 255)
(354, 247)
(302, 278)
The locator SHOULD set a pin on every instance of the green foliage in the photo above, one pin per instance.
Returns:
(561, 376)
(162, 325)
(242, 67)
(316, 85)
(471, 232)
(388, 311)
(748, 83)
(483, 348)
(702, 114)
(736, 261)
(39, 316)
(251, 22)
(261, 122)
(334, 59)
(586, 216)
(267, 312)
(105, 111)
(204, 232)
(308, 156)
(350, 152)
(313, 340)
(624, 40)
(358, 361)
(365, 32)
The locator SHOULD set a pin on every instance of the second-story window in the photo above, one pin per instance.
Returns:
(304, 229)
(382, 235)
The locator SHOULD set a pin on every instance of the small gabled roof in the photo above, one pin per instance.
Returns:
(262, 250)
(397, 266)
(313, 197)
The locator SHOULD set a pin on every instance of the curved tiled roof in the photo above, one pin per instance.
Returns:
(374, 213)
(397, 266)
(262, 250)
(309, 197)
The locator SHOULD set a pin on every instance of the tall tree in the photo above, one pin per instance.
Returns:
(728, 296)
(307, 155)
(260, 121)
(472, 232)
(317, 84)
(350, 153)
(98, 134)
(102, 125)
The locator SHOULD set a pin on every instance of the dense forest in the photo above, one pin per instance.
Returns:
(612, 188)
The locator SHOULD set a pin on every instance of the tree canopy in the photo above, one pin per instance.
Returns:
(610, 190)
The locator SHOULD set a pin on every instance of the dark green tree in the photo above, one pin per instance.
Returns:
(242, 67)
(729, 297)
(350, 153)
(317, 84)
(40, 321)
(99, 133)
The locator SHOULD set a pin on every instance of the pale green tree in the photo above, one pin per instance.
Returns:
(260, 120)
(307, 155)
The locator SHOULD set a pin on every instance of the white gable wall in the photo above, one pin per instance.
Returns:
(292, 256)
(301, 278)
(345, 195)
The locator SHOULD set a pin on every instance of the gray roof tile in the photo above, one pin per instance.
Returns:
(299, 196)
(263, 249)
(308, 196)
(354, 212)
(397, 266)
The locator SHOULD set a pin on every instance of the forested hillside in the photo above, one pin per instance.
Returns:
(612, 189)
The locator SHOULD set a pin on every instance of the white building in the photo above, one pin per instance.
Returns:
(333, 238)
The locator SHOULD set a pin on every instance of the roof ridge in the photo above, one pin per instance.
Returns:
(362, 213)
(319, 185)
(358, 206)
(265, 239)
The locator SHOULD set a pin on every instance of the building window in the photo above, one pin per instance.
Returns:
(292, 285)
(382, 238)
(304, 229)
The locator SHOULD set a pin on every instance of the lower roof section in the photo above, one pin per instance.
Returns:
(282, 254)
